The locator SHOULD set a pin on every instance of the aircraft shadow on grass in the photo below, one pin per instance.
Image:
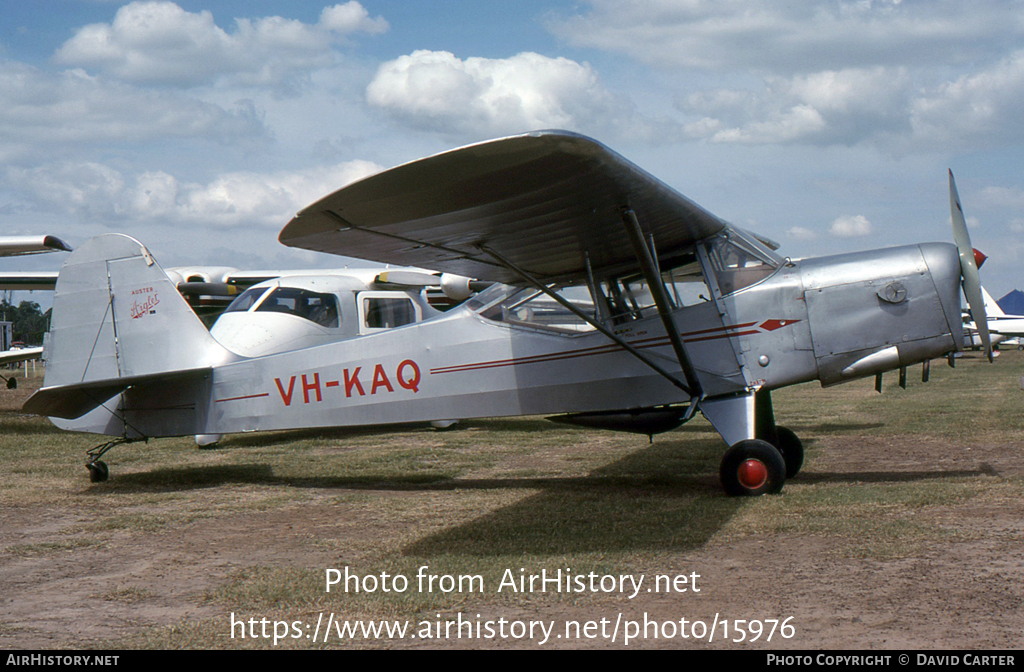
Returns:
(657, 497)
(663, 496)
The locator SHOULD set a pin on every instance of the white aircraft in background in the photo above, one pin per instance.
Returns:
(13, 246)
(1001, 327)
(214, 291)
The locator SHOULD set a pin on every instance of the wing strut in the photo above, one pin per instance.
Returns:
(657, 286)
(594, 323)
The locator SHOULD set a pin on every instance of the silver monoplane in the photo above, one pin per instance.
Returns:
(616, 303)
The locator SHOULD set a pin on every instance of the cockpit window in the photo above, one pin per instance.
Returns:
(533, 308)
(739, 262)
(628, 297)
(387, 313)
(313, 306)
(245, 300)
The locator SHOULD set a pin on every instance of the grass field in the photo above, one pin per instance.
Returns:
(904, 528)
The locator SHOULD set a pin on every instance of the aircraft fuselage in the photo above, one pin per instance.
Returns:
(832, 319)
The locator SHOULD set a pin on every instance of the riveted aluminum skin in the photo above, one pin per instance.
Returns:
(851, 318)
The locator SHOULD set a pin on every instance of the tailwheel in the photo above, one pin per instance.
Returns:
(751, 468)
(98, 471)
(792, 449)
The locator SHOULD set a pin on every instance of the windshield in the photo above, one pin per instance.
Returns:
(739, 262)
(313, 306)
(246, 299)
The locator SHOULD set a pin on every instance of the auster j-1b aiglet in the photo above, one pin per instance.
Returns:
(616, 303)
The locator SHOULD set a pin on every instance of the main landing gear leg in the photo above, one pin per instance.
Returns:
(752, 465)
(783, 438)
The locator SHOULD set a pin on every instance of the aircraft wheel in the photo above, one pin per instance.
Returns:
(98, 472)
(751, 468)
(207, 441)
(792, 449)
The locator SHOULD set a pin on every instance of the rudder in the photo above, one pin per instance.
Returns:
(116, 318)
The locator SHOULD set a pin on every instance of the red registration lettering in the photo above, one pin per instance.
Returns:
(380, 379)
(307, 386)
(286, 397)
(353, 382)
(407, 374)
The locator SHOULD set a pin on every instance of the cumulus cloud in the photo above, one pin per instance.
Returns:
(986, 105)
(1004, 196)
(435, 90)
(98, 193)
(800, 233)
(899, 75)
(159, 43)
(794, 36)
(863, 91)
(845, 106)
(73, 107)
(883, 106)
(800, 122)
(850, 227)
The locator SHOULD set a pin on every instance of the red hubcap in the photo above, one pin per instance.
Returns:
(752, 474)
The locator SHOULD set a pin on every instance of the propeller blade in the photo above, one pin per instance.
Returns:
(968, 268)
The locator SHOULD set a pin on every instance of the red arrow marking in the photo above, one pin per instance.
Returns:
(772, 325)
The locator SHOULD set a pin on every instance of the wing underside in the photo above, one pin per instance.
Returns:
(546, 201)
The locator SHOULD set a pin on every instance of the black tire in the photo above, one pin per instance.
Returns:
(748, 458)
(98, 472)
(792, 449)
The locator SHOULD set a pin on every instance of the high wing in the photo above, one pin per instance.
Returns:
(547, 202)
(11, 246)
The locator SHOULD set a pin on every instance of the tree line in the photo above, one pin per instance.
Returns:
(29, 323)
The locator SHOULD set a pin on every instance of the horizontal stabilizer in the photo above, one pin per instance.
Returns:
(74, 401)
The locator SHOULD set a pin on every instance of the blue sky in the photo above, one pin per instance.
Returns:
(201, 127)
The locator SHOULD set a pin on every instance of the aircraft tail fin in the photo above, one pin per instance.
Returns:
(117, 320)
(992, 308)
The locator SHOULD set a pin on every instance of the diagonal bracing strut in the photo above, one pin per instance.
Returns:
(597, 325)
(661, 300)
